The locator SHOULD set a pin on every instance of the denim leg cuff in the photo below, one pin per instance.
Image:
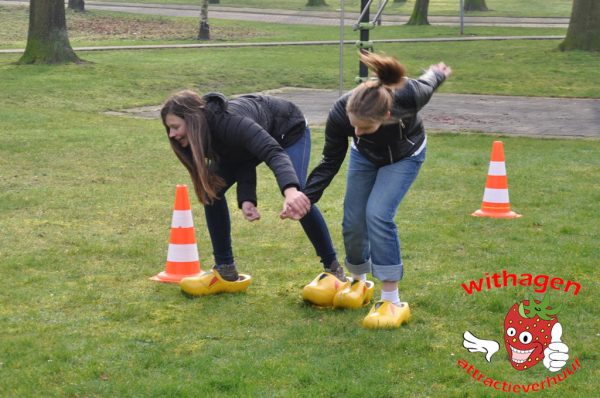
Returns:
(364, 268)
(389, 273)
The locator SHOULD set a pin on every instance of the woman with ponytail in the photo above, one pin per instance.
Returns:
(387, 149)
(220, 142)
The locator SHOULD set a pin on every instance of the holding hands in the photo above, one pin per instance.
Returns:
(295, 205)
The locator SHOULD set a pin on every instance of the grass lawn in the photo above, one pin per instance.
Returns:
(100, 28)
(86, 203)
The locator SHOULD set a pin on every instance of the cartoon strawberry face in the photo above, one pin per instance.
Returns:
(527, 330)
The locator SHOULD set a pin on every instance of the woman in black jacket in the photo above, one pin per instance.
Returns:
(388, 145)
(221, 142)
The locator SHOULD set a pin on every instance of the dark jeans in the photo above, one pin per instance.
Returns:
(219, 222)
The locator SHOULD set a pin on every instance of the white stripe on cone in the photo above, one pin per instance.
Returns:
(182, 253)
(182, 219)
(497, 169)
(492, 195)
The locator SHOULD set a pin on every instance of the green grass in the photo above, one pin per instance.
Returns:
(513, 8)
(85, 207)
(524, 67)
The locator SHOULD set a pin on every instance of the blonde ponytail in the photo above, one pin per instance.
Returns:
(371, 100)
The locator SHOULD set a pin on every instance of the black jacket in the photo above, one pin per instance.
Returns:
(390, 143)
(248, 130)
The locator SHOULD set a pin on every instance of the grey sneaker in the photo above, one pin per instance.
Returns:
(336, 270)
(227, 271)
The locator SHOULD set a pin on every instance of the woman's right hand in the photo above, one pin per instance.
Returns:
(442, 67)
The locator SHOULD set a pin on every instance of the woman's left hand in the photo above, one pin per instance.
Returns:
(295, 205)
(250, 211)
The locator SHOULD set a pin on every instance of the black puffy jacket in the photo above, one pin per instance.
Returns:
(390, 143)
(251, 129)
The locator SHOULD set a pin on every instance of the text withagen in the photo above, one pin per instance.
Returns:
(504, 279)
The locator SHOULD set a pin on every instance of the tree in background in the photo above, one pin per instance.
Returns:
(584, 27)
(204, 29)
(419, 14)
(47, 39)
(315, 3)
(77, 5)
(475, 5)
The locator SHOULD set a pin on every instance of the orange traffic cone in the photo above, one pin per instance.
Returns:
(182, 256)
(495, 196)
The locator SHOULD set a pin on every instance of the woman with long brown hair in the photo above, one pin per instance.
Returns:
(221, 142)
(388, 144)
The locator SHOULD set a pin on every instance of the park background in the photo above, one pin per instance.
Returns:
(86, 201)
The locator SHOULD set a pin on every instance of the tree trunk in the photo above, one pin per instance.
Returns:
(47, 39)
(419, 15)
(315, 3)
(475, 5)
(204, 28)
(77, 5)
(584, 27)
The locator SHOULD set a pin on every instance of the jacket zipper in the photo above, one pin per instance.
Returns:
(401, 128)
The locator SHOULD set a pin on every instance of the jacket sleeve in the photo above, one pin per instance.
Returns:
(425, 86)
(246, 184)
(243, 131)
(334, 152)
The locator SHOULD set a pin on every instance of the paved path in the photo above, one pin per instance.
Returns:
(304, 17)
(519, 116)
(315, 17)
(522, 116)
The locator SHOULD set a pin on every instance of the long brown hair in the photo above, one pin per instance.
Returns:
(371, 100)
(197, 158)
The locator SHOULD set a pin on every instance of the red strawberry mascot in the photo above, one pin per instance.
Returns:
(532, 334)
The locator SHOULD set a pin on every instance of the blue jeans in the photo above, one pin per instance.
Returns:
(315, 228)
(373, 195)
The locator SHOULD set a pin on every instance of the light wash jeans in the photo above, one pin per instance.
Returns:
(373, 195)
(315, 228)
